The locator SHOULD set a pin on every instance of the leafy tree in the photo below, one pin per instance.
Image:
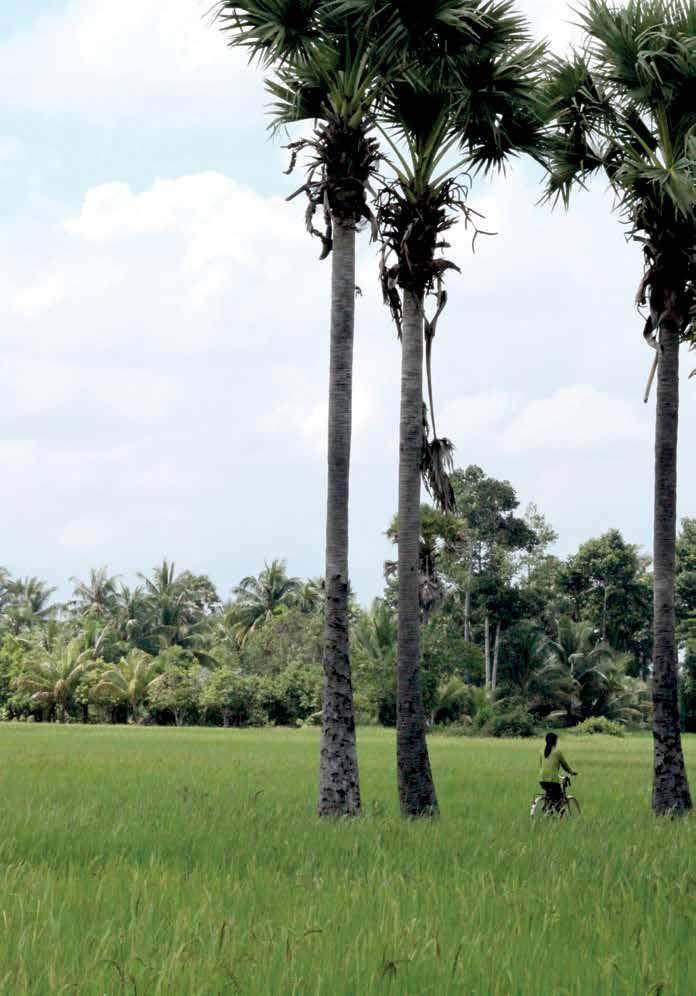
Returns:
(626, 108)
(291, 637)
(686, 571)
(234, 695)
(291, 696)
(177, 688)
(610, 587)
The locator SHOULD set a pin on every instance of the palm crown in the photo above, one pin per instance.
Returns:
(627, 106)
(320, 70)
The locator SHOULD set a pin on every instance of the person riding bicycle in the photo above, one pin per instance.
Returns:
(552, 761)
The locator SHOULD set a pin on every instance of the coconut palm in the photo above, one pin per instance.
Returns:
(259, 598)
(626, 108)
(174, 615)
(462, 81)
(309, 596)
(130, 680)
(96, 596)
(27, 602)
(528, 676)
(52, 675)
(322, 72)
(131, 614)
(579, 664)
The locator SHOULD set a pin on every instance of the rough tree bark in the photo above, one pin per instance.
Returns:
(416, 788)
(671, 793)
(339, 785)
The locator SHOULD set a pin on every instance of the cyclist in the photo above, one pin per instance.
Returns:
(551, 763)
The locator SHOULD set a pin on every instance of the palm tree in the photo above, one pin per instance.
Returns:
(26, 604)
(626, 108)
(309, 596)
(52, 675)
(374, 654)
(528, 675)
(259, 598)
(462, 77)
(579, 664)
(131, 613)
(325, 74)
(130, 680)
(175, 616)
(97, 595)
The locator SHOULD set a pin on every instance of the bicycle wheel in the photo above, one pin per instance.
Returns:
(537, 806)
(571, 807)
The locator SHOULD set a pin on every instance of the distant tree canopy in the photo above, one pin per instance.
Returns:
(513, 635)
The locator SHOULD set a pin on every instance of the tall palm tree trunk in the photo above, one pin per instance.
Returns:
(339, 785)
(670, 786)
(416, 788)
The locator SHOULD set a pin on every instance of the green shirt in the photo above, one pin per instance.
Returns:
(551, 765)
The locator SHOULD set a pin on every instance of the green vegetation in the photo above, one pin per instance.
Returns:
(513, 639)
(161, 860)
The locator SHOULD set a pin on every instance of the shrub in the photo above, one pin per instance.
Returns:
(598, 724)
(511, 722)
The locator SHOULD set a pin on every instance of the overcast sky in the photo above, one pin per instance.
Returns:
(164, 323)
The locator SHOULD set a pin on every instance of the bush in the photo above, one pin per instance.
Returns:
(515, 722)
(453, 700)
(598, 724)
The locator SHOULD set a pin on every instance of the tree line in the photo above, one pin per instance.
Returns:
(513, 637)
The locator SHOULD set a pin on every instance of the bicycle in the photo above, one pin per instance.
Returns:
(567, 806)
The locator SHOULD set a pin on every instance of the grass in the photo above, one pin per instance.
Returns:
(190, 861)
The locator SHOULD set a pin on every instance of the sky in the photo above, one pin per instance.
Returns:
(164, 323)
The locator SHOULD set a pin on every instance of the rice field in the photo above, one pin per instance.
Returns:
(190, 861)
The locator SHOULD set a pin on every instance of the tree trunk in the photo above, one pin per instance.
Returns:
(496, 651)
(339, 783)
(416, 789)
(467, 594)
(226, 718)
(487, 652)
(670, 786)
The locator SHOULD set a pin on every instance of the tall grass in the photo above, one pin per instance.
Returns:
(191, 861)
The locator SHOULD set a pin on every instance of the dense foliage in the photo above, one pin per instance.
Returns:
(514, 638)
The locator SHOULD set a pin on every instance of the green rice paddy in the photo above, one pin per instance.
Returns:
(190, 861)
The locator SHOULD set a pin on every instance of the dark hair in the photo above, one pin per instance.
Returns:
(551, 741)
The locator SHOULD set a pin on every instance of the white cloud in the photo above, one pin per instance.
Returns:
(99, 58)
(554, 20)
(137, 57)
(576, 418)
(572, 420)
(165, 356)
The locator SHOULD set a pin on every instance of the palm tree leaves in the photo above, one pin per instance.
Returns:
(52, 675)
(273, 30)
(627, 106)
(258, 598)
